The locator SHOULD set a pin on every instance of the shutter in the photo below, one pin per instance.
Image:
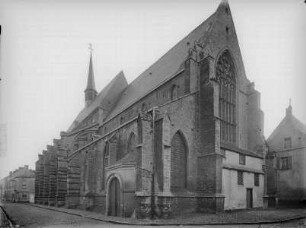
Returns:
(289, 162)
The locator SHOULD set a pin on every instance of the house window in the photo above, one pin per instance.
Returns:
(241, 159)
(287, 143)
(256, 179)
(225, 74)
(285, 163)
(240, 178)
(24, 186)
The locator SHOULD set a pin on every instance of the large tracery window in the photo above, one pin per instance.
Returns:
(225, 72)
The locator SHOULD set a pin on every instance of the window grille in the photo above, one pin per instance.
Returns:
(256, 179)
(240, 178)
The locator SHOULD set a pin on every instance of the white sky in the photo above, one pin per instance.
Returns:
(44, 57)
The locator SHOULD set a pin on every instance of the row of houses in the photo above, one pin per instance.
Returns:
(18, 186)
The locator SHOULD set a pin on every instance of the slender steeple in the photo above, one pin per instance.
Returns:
(289, 109)
(90, 91)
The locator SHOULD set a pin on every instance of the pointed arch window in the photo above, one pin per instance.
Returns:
(85, 171)
(105, 164)
(131, 147)
(225, 73)
(178, 163)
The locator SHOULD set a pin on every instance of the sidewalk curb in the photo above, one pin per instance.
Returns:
(288, 219)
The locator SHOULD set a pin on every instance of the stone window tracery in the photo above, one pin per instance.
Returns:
(225, 74)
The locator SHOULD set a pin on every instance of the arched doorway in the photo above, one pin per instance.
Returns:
(114, 197)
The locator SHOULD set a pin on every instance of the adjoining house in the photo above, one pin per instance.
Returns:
(286, 162)
(185, 136)
(18, 186)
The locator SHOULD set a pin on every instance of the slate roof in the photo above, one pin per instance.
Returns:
(119, 79)
(163, 69)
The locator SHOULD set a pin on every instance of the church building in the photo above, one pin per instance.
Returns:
(185, 136)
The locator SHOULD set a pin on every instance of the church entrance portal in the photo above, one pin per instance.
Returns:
(114, 198)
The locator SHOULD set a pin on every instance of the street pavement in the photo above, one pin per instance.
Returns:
(29, 215)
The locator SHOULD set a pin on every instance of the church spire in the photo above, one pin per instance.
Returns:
(90, 91)
(289, 109)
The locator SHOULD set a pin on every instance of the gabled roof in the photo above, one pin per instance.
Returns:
(117, 84)
(164, 68)
(288, 120)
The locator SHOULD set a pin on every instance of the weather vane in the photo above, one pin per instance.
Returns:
(90, 47)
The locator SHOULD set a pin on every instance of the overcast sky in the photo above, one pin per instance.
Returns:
(44, 57)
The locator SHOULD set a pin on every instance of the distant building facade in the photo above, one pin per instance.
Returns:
(185, 136)
(19, 185)
(286, 162)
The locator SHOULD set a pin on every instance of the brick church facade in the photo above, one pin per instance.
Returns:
(185, 136)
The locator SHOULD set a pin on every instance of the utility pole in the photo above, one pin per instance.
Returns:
(153, 167)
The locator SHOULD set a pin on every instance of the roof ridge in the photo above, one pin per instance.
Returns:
(141, 75)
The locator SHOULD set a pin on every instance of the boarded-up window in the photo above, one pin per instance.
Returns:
(178, 163)
(225, 73)
(256, 179)
(240, 177)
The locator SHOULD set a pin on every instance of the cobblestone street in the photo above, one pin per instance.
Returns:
(27, 215)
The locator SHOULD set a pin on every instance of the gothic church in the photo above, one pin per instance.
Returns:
(185, 136)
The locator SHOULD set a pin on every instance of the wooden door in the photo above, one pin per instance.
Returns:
(114, 200)
(249, 197)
